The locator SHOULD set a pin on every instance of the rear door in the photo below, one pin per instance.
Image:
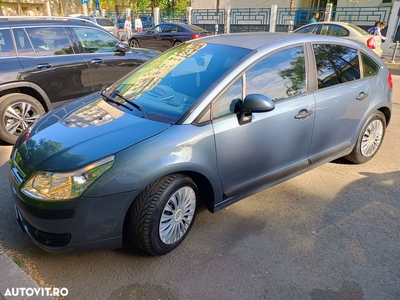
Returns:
(51, 62)
(342, 98)
(11, 68)
(106, 63)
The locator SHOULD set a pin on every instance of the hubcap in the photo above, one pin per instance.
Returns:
(177, 215)
(372, 138)
(20, 116)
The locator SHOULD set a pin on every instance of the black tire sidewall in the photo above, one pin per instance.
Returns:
(159, 248)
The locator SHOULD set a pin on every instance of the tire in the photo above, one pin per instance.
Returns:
(369, 140)
(163, 214)
(134, 43)
(177, 43)
(18, 112)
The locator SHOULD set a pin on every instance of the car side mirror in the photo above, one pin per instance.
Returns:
(123, 47)
(254, 103)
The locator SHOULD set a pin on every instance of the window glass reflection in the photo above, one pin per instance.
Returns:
(336, 64)
(279, 76)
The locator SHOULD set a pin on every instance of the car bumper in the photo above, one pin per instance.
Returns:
(84, 224)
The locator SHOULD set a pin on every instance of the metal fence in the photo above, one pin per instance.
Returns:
(259, 19)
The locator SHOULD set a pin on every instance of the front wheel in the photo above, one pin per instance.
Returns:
(177, 43)
(370, 139)
(18, 112)
(162, 215)
(134, 43)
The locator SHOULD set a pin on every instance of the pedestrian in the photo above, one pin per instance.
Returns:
(138, 24)
(378, 29)
(128, 27)
(373, 28)
(315, 17)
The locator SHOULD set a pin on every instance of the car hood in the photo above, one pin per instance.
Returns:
(80, 133)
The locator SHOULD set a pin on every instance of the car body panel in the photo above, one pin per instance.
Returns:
(310, 116)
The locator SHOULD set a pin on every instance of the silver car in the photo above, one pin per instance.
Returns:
(104, 22)
(209, 122)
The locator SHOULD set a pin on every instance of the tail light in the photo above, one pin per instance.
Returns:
(390, 81)
(371, 43)
(195, 36)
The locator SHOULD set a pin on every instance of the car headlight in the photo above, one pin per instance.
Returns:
(65, 186)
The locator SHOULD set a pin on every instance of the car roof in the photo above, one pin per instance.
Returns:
(37, 21)
(256, 40)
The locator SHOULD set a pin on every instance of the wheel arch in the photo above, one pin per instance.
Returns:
(387, 113)
(27, 88)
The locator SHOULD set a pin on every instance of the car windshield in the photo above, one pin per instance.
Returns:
(170, 84)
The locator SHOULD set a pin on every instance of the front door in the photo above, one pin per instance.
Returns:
(275, 143)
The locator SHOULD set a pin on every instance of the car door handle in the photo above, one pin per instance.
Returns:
(362, 96)
(96, 61)
(304, 113)
(44, 66)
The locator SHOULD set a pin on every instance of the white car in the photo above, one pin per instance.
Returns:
(346, 30)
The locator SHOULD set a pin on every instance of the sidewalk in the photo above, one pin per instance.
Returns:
(12, 277)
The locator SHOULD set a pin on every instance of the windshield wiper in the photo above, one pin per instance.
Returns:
(135, 105)
(112, 100)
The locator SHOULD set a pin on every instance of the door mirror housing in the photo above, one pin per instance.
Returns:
(254, 103)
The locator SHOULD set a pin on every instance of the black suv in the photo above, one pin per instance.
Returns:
(48, 61)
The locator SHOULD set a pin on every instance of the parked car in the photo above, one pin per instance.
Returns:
(345, 30)
(211, 121)
(104, 22)
(45, 63)
(165, 36)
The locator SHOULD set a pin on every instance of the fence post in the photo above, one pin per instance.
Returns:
(156, 16)
(328, 12)
(394, 52)
(272, 22)
(227, 19)
(189, 15)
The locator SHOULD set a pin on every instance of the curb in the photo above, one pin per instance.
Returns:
(13, 277)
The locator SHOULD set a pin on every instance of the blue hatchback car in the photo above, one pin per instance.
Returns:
(209, 122)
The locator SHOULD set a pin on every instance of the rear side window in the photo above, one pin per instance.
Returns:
(6, 43)
(105, 22)
(370, 66)
(49, 41)
(336, 64)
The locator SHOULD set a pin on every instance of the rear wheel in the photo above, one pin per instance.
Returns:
(370, 139)
(162, 215)
(177, 43)
(134, 43)
(18, 112)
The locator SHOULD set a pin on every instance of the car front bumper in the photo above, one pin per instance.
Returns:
(83, 224)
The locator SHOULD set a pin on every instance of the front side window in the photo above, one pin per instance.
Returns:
(6, 43)
(279, 76)
(336, 64)
(230, 102)
(95, 41)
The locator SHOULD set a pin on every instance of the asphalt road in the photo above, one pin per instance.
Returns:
(330, 234)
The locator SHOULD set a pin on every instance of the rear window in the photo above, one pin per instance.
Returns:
(195, 28)
(358, 29)
(105, 22)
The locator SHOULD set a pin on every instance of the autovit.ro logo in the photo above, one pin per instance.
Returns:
(37, 291)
